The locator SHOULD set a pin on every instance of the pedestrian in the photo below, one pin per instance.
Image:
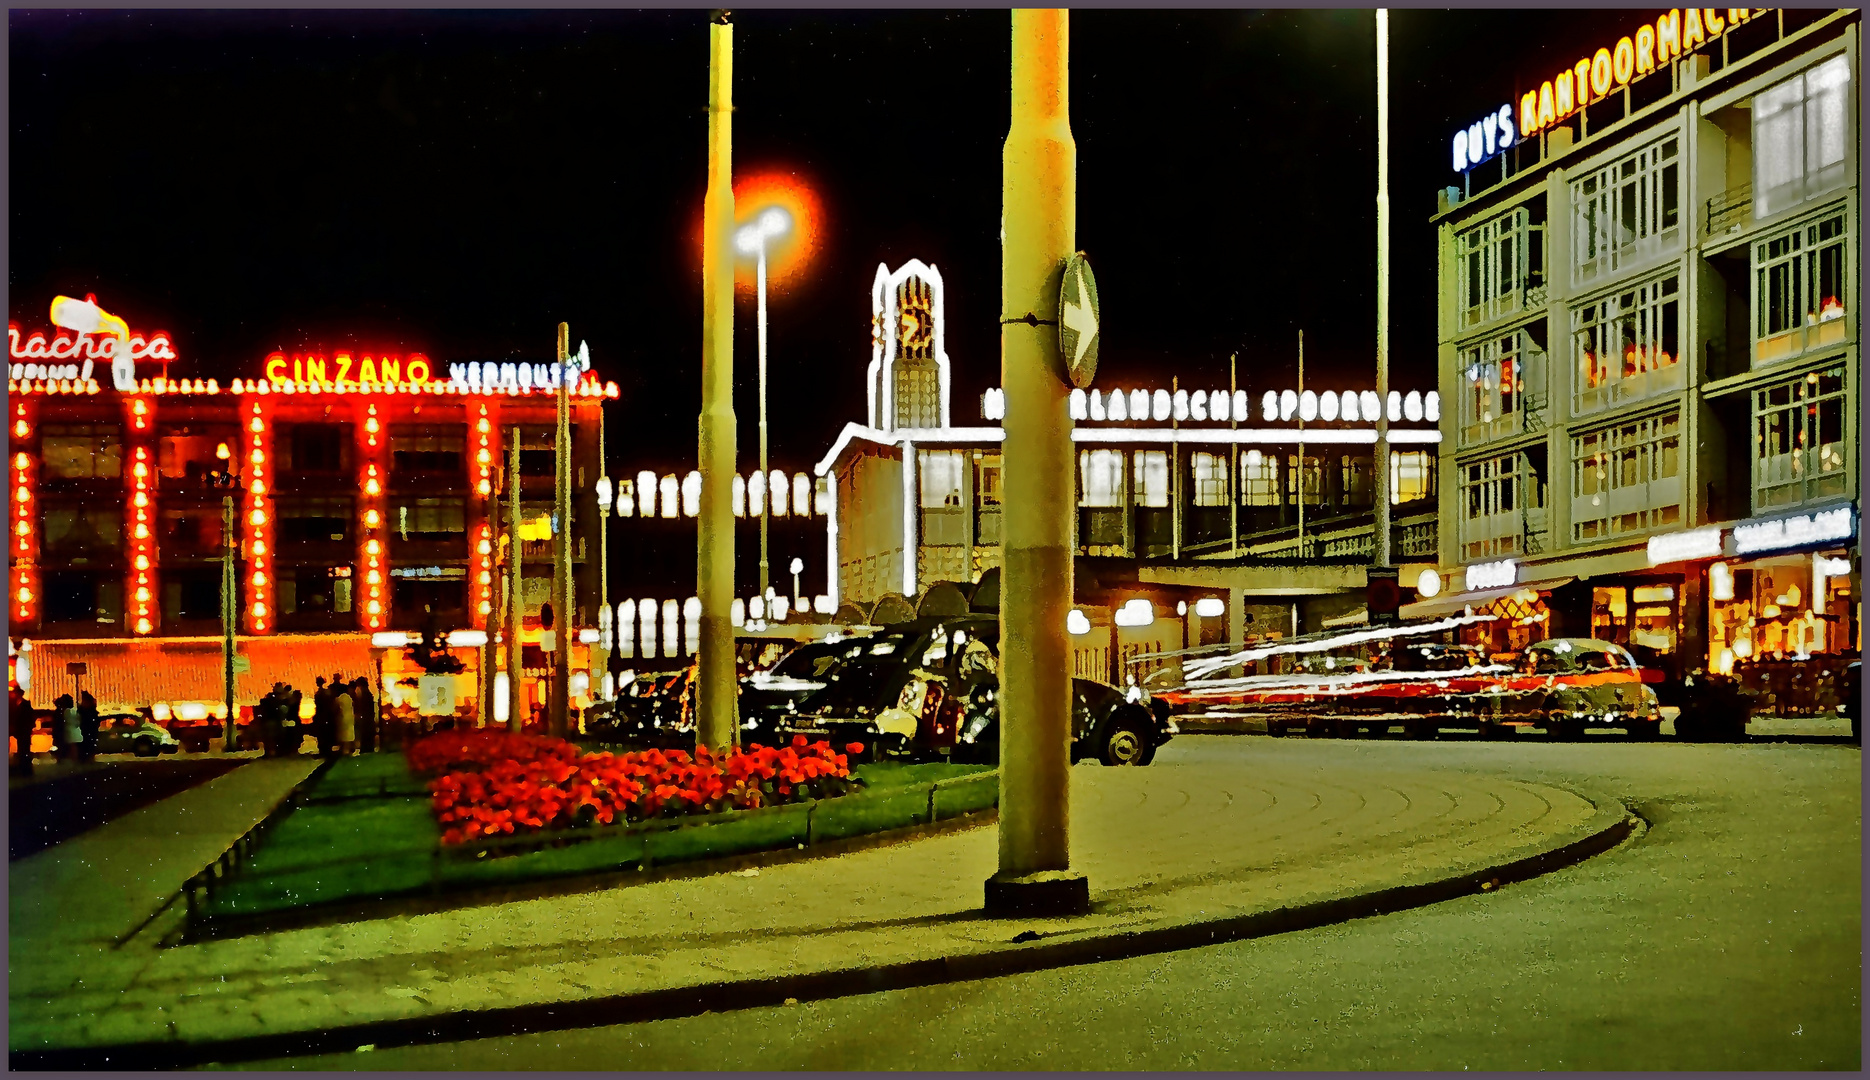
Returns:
(346, 710)
(19, 716)
(87, 726)
(268, 714)
(366, 715)
(66, 728)
(321, 716)
(294, 726)
(339, 685)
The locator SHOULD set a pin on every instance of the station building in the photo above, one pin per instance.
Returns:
(1649, 350)
(362, 492)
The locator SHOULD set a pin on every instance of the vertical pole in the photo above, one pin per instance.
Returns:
(766, 504)
(1380, 543)
(1233, 454)
(229, 604)
(489, 650)
(565, 632)
(1039, 193)
(1175, 475)
(716, 712)
(603, 556)
(515, 599)
(1301, 485)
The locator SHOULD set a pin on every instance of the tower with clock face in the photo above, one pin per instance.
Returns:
(908, 378)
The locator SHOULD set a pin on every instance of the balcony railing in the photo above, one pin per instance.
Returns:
(1728, 212)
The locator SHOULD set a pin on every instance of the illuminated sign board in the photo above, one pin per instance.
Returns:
(1493, 575)
(1675, 547)
(1649, 49)
(73, 356)
(1479, 142)
(1777, 535)
(349, 369)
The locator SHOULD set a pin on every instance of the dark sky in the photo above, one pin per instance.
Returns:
(458, 182)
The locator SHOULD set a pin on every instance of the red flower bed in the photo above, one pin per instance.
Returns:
(499, 783)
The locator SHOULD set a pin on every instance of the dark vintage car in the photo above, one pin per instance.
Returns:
(654, 709)
(930, 689)
(134, 733)
(1571, 685)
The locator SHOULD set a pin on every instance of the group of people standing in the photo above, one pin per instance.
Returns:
(343, 720)
(75, 728)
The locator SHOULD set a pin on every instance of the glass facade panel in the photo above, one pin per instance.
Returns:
(1800, 440)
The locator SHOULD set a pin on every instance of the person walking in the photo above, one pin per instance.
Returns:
(19, 716)
(66, 728)
(294, 725)
(345, 708)
(270, 716)
(87, 727)
(322, 720)
(366, 715)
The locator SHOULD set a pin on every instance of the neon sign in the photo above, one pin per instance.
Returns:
(1611, 68)
(1493, 575)
(1479, 142)
(1830, 525)
(346, 369)
(72, 356)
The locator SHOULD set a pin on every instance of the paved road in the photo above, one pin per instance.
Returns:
(1726, 937)
(81, 798)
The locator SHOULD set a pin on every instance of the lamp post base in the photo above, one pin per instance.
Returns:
(1046, 893)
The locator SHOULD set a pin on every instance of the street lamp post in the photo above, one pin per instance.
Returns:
(605, 616)
(798, 595)
(751, 239)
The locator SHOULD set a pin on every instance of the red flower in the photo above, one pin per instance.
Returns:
(853, 748)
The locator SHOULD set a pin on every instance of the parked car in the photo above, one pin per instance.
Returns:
(930, 688)
(1714, 708)
(134, 733)
(1853, 705)
(1571, 685)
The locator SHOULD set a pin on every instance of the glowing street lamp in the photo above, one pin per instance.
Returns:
(751, 239)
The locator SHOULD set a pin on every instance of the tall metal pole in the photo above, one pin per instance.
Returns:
(489, 650)
(515, 598)
(1233, 484)
(766, 504)
(564, 633)
(603, 557)
(1380, 549)
(1301, 477)
(716, 712)
(229, 605)
(1039, 200)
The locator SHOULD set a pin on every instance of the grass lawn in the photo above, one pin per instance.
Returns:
(367, 832)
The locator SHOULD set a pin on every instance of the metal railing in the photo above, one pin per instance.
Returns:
(1730, 211)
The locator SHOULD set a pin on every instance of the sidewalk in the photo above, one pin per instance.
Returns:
(1177, 856)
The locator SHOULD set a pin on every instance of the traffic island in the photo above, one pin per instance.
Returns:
(364, 842)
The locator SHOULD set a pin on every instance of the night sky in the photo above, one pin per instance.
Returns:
(459, 182)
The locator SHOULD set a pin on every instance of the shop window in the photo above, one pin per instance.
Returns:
(1799, 289)
(314, 520)
(1800, 440)
(1500, 373)
(81, 451)
(82, 532)
(1496, 263)
(1412, 476)
(1628, 211)
(1100, 478)
(1802, 137)
(1357, 475)
(1627, 478)
(1151, 468)
(939, 479)
(442, 519)
(1628, 346)
(1308, 476)
(315, 590)
(1210, 478)
(428, 451)
(1259, 479)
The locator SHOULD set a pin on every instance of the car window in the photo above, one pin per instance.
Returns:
(1547, 662)
(1597, 661)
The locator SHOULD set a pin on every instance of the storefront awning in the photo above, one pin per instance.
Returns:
(1479, 598)
(130, 674)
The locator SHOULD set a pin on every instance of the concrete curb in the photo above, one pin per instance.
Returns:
(1608, 827)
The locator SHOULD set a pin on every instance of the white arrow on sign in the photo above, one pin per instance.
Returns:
(1080, 318)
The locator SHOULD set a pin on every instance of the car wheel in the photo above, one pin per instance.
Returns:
(1424, 728)
(145, 748)
(1645, 730)
(1276, 729)
(1124, 742)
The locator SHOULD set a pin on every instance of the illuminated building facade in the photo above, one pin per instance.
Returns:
(363, 489)
(1649, 344)
(1206, 513)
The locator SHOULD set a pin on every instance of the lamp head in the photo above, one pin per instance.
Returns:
(749, 239)
(775, 221)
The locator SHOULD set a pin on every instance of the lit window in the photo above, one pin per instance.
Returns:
(1627, 478)
(1627, 211)
(1627, 346)
(1496, 261)
(1799, 290)
(1152, 477)
(1100, 475)
(1799, 440)
(1802, 136)
(940, 479)
(1209, 472)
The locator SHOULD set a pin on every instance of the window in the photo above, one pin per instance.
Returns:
(315, 590)
(1210, 475)
(1100, 477)
(1802, 137)
(314, 448)
(191, 595)
(86, 598)
(1495, 263)
(1498, 372)
(1799, 440)
(1627, 211)
(1313, 474)
(191, 532)
(987, 479)
(1152, 477)
(189, 455)
(418, 596)
(940, 479)
(1259, 479)
(431, 519)
(1627, 346)
(1495, 493)
(538, 454)
(1412, 475)
(420, 449)
(1799, 289)
(80, 532)
(1627, 478)
(81, 451)
(320, 520)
